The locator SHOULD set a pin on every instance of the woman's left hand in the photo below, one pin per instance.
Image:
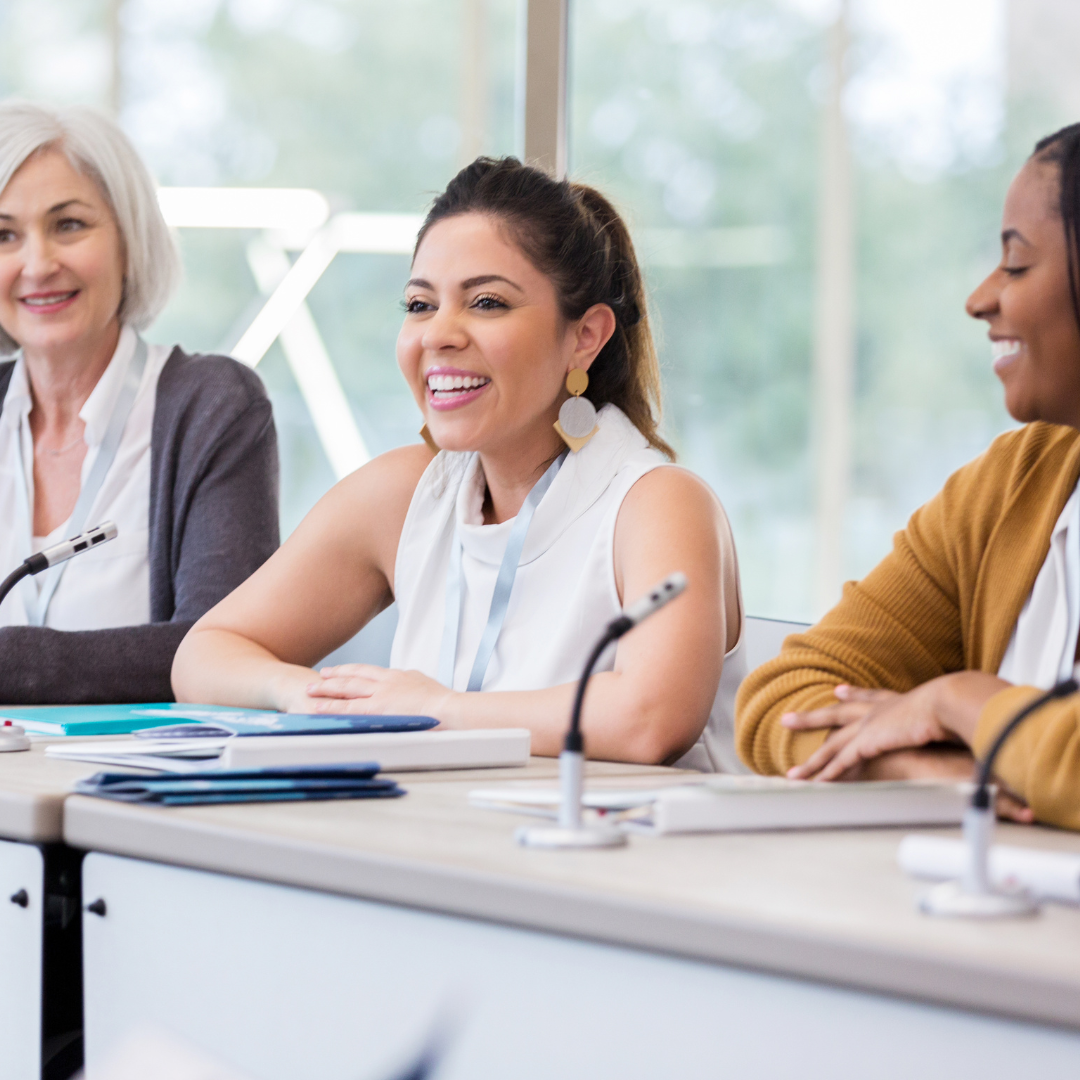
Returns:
(367, 689)
(945, 709)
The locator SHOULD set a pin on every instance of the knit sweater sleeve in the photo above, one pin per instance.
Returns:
(901, 626)
(1040, 762)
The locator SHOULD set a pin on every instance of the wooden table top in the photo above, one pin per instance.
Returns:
(33, 787)
(830, 905)
(32, 792)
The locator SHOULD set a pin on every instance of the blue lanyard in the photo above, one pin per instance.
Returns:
(37, 604)
(500, 598)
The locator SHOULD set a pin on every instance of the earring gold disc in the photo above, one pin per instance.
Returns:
(577, 382)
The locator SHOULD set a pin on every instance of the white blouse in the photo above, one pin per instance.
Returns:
(110, 586)
(1042, 649)
(564, 593)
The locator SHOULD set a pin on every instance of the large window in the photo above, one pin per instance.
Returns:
(814, 188)
(710, 123)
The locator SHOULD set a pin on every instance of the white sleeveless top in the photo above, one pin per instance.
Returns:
(564, 593)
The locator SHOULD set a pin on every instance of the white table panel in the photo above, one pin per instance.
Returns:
(21, 868)
(289, 983)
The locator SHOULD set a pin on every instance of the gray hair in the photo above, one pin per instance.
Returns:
(96, 147)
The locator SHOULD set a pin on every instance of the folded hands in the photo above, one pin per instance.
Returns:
(882, 734)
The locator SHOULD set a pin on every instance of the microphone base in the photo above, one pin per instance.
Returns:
(951, 900)
(552, 837)
(13, 743)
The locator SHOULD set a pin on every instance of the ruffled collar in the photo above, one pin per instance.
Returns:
(583, 478)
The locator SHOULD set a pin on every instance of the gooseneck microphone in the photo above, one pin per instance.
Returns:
(58, 553)
(973, 895)
(570, 831)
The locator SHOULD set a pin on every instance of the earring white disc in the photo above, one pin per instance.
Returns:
(577, 417)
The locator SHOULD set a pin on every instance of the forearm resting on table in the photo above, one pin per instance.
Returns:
(762, 740)
(220, 667)
(620, 721)
(1041, 759)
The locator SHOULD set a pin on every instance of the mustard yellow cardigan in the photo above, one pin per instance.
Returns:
(945, 599)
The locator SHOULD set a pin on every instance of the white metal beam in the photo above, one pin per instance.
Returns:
(296, 209)
(296, 218)
(311, 367)
(283, 302)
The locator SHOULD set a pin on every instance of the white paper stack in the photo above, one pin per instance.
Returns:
(395, 751)
(1046, 875)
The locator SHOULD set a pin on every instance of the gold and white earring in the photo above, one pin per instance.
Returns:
(426, 436)
(577, 417)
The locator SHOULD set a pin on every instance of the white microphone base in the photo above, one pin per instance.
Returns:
(951, 900)
(550, 836)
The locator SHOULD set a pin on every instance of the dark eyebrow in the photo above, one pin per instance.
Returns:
(1014, 234)
(468, 283)
(485, 279)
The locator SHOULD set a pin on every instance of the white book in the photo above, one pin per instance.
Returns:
(748, 803)
(397, 751)
(755, 803)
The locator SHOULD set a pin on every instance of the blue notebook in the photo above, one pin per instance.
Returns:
(172, 720)
(291, 784)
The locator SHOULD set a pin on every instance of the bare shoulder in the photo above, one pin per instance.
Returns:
(670, 494)
(384, 483)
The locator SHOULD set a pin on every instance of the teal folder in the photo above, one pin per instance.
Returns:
(171, 720)
(106, 719)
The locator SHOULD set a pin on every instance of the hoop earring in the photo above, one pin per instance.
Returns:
(577, 417)
(426, 436)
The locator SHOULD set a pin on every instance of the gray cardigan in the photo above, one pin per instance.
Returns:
(213, 522)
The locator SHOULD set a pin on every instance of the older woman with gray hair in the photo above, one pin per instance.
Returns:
(179, 451)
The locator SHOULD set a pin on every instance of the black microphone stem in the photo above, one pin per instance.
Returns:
(13, 579)
(981, 799)
(615, 630)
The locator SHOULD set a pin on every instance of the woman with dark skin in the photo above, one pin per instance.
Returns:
(894, 729)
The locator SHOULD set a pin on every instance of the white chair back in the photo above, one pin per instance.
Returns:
(764, 638)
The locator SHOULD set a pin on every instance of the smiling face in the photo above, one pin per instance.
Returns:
(484, 346)
(1035, 339)
(61, 259)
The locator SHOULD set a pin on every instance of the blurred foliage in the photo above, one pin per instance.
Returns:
(692, 116)
(708, 116)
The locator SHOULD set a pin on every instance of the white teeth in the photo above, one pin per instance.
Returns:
(999, 350)
(449, 383)
(42, 301)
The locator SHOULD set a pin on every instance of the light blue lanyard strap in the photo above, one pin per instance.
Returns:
(37, 606)
(500, 598)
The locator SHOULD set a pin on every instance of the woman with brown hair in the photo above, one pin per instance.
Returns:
(977, 608)
(544, 500)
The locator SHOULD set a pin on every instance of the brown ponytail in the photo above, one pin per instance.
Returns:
(571, 233)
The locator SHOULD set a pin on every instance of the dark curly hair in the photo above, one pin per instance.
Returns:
(1063, 150)
(571, 233)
